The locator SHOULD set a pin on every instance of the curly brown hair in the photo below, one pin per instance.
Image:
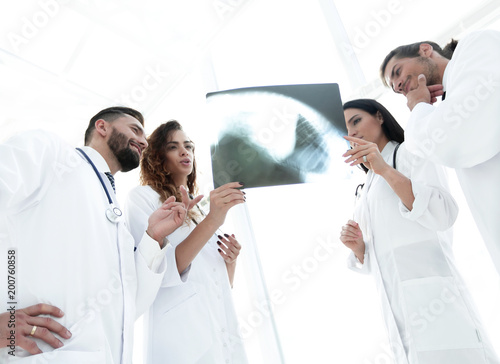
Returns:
(153, 166)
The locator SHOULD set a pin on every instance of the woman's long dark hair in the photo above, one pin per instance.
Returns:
(390, 127)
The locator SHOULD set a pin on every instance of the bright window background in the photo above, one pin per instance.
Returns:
(61, 61)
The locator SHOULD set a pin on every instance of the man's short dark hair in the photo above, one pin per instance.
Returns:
(412, 51)
(111, 114)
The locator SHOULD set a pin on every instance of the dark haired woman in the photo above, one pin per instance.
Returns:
(192, 319)
(402, 236)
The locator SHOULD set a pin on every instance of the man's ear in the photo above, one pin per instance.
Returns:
(102, 127)
(425, 50)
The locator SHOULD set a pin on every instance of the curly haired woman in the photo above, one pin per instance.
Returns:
(192, 319)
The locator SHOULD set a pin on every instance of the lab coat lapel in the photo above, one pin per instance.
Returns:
(364, 216)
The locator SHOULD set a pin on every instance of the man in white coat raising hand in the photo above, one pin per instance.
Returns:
(462, 131)
(68, 247)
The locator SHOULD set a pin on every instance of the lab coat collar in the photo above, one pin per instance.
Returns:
(388, 150)
(97, 159)
(445, 74)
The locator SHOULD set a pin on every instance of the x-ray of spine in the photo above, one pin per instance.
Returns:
(276, 135)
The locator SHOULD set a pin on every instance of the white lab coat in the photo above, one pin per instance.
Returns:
(52, 212)
(192, 319)
(463, 131)
(429, 315)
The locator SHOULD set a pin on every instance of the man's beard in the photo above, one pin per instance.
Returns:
(431, 71)
(119, 145)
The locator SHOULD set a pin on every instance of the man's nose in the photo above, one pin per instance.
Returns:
(398, 88)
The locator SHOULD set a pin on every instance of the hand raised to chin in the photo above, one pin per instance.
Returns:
(423, 93)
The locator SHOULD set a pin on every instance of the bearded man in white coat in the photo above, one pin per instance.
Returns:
(67, 247)
(462, 131)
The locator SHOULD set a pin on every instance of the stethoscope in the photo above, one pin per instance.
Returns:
(360, 187)
(113, 213)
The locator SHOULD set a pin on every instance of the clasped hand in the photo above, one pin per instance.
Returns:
(229, 248)
(352, 237)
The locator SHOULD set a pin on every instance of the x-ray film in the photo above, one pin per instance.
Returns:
(277, 135)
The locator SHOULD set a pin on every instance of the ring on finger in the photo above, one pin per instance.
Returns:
(33, 330)
(364, 159)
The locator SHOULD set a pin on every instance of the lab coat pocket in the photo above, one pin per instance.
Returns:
(436, 315)
(420, 260)
(66, 356)
(177, 297)
(88, 344)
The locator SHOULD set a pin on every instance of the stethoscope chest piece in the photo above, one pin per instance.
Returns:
(113, 213)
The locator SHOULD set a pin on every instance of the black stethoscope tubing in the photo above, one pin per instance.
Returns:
(359, 188)
(113, 213)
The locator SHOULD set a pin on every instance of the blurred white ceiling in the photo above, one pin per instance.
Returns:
(63, 60)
